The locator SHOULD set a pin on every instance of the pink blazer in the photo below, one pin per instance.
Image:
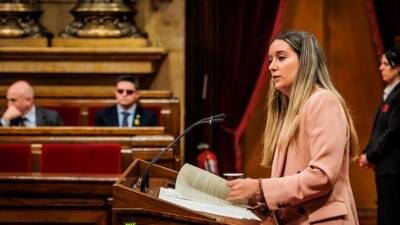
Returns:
(310, 179)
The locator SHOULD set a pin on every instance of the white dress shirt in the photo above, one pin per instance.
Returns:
(30, 118)
(131, 112)
(388, 89)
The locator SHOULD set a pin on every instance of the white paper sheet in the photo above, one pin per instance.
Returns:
(169, 195)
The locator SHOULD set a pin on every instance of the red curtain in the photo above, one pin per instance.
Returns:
(226, 48)
(373, 22)
(261, 81)
(385, 22)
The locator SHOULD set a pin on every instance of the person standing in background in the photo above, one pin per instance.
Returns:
(383, 150)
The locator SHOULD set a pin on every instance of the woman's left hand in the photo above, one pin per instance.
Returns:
(241, 189)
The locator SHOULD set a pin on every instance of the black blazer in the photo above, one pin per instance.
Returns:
(44, 117)
(109, 117)
(383, 149)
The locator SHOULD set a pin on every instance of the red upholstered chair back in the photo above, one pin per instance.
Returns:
(69, 114)
(158, 112)
(92, 114)
(15, 158)
(81, 158)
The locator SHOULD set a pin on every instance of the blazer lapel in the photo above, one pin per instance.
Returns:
(279, 161)
(114, 117)
(40, 117)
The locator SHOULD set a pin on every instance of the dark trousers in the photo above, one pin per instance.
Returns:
(388, 190)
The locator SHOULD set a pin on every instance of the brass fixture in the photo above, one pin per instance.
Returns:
(20, 19)
(102, 19)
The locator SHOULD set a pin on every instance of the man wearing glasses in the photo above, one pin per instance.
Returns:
(127, 112)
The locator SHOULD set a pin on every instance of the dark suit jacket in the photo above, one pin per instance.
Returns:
(109, 117)
(44, 117)
(383, 149)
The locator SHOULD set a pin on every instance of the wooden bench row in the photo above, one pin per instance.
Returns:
(136, 142)
(78, 105)
(37, 198)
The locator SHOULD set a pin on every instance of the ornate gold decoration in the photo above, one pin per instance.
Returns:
(102, 19)
(20, 19)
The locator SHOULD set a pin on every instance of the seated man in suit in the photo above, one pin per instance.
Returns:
(127, 112)
(22, 112)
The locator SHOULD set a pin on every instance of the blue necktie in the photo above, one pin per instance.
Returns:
(125, 119)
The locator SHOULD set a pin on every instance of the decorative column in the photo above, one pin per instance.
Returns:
(20, 19)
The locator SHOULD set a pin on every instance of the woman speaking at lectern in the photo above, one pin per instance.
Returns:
(309, 137)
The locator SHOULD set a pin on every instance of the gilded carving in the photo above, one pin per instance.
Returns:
(102, 19)
(20, 19)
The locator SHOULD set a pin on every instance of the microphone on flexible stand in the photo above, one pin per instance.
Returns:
(216, 119)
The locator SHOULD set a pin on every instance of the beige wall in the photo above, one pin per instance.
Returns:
(56, 15)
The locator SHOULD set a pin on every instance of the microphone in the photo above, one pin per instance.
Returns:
(216, 119)
(218, 116)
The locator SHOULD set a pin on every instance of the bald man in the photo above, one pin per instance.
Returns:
(21, 110)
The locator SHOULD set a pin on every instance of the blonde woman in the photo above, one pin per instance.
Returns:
(309, 137)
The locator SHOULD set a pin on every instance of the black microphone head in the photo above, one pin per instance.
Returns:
(216, 121)
(218, 116)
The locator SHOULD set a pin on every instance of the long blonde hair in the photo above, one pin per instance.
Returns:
(282, 114)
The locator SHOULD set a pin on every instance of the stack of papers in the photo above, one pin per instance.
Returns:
(227, 210)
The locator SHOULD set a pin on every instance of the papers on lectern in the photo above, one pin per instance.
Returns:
(199, 190)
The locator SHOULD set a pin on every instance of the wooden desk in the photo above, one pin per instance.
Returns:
(81, 131)
(27, 198)
(101, 97)
(141, 62)
(77, 92)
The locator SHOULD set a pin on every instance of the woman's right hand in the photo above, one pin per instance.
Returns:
(242, 189)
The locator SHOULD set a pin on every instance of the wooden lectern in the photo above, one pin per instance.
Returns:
(130, 206)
